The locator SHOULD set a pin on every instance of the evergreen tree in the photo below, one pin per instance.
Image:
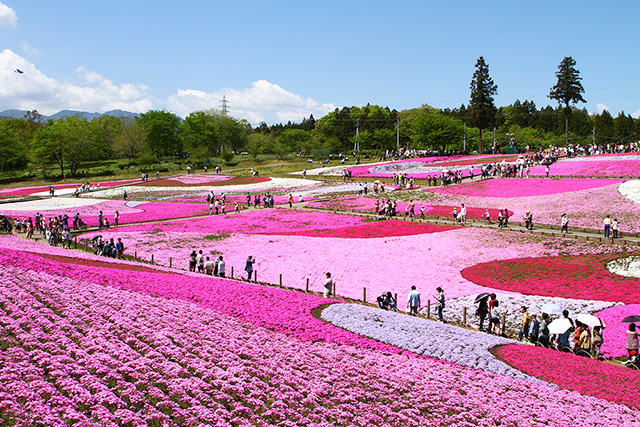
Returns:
(568, 89)
(481, 109)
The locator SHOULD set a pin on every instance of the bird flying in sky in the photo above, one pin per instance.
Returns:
(19, 71)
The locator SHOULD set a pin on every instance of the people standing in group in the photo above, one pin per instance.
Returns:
(528, 220)
(607, 226)
(192, 260)
(413, 301)
(221, 267)
(208, 266)
(249, 267)
(614, 227)
(200, 261)
(328, 286)
(524, 323)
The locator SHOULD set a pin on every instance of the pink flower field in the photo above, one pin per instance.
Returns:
(614, 166)
(27, 191)
(103, 351)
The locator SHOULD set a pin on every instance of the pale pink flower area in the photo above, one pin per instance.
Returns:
(522, 187)
(199, 179)
(82, 345)
(615, 336)
(586, 208)
(26, 191)
(379, 264)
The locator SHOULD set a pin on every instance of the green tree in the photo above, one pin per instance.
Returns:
(13, 152)
(105, 130)
(603, 123)
(67, 142)
(482, 110)
(200, 132)
(294, 140)
(131, 141)
(434, 130)
(568, 89)
(624, 127)
(162, 132)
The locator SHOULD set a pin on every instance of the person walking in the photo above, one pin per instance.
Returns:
(440, 303)
(192, 261)
(116, 219)
(607, 226)
(482, 311)
(597, 339)
(328, 286)
(413, 301)
(564, 223)
(249, 267)
(462, 216)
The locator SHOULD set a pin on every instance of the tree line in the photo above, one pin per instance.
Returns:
(71, 142)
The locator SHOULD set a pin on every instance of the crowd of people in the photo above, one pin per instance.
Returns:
(108, 247)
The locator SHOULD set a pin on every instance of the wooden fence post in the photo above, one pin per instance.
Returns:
(428, 309)
(232, 271)
(396, 298)
(280, 279)
(170, 261)
(151, 258)
(135, 255)
(307, 286)
(364, 294)
(464, 316)
(255, 276)
(76, 241)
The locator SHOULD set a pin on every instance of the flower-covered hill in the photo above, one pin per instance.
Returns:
(97, 349)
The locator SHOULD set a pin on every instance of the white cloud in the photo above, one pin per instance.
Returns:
(8, 16)
(636, 114)
(601, 107)
(263, 101)
(32, 90)
(29, 50)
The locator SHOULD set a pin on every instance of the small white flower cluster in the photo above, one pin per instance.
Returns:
(628, 267)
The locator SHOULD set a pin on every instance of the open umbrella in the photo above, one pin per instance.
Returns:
(631, 319)
(377, 181)
(551, 309)
(482, 296)
(559, 326)
(589, 320)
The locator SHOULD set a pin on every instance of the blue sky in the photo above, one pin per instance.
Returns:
(282, 60)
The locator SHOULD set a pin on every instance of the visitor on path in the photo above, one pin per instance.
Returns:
(328, 286)
(534, 329)
(221, 267)
(249, 267)
(632, 342)
(387, 302)
(487, 217)
(607, 226)
(494, 320)
(614, 227)
(413, 301)
(120, 248)
(440, 303)
(544, 337)
(192, 261)
(506, 218)
(524, 323)
(100, 220)
(597, 339)
(290, 200)
(500, 219)
(482, 311)
(211, 208)
(585, 343)
(208, 267)
(248, 200)
(124, 195)
(562, 341)
(462, 216)
(564, 224)
(116, 219)
(200, 262)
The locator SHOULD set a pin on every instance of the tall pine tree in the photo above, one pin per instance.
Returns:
(481, 109)
(568, 89)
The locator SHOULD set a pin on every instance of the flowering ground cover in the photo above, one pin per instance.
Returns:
(368, 204)
(379, 264)
(546, 209)
(89, 210)
(205, 181)
(567, 276)
(99, 355)
(27, 191)
(511, 303)
(421, 336)
(596, 166)
(630, 190)
(514, 188)
(587, 376)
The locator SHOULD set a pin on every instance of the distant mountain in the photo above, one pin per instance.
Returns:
(17, 114)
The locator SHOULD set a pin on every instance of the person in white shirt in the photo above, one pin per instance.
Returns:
(221, 267)
(462, 216)
(328, 286)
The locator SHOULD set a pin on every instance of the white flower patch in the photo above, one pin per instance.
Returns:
(602, 158)
(630, 190)
(512, 303)
(273, 184)
(421, 336)
(628, 267)
(53, 203)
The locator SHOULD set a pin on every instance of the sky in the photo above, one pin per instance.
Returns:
(279, 61)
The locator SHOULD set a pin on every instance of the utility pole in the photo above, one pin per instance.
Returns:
(464, 144)
(593, 136)
(225, 105)
(397, 133)
(356, 145)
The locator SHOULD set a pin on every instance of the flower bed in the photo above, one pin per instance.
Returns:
(546, 209)
(205, 181)
(27, 191)
(86, 354)
(429, 338)
(89, 213)
(373, 230)
(584, 375)
(600, 166)
(577, 276)
(522, 187)
(630, 190)
(511, 303)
